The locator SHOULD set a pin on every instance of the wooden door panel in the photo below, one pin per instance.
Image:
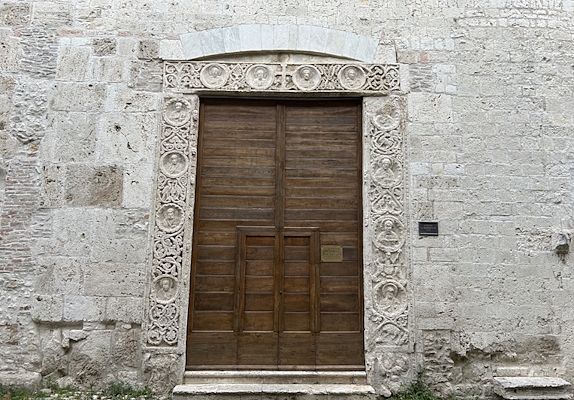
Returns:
(276, 181)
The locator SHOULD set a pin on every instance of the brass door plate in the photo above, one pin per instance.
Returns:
(331, 253)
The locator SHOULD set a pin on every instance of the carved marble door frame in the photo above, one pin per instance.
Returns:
(386, 239)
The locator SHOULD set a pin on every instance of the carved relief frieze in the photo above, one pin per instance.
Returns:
(183, 76)
(172, 205)
(387, 223)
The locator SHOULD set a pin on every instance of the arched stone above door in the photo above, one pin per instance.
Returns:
(289, 38)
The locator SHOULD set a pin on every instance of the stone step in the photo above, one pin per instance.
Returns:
(276, 377)
(231, 391)
(532, 388)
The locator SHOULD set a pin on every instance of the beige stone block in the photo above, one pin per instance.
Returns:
(126, 348)
(84, 308)
(138, 184)
(171, 50)
(112, 279)
(73, 64)
(148, 49)
(123, 99)
(127, 138)
(93, 186)
(429, 107)
(21, 379)
(75, 137)
(91, 357)
(53, 15)
(104, 46)
(47, 308)
(125, 309)
(14, 14)
(78, 97)
(60, 275)
(9, 52)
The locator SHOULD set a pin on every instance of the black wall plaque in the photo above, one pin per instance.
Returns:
(428, 228)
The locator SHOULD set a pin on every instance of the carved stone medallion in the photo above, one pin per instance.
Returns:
(388, 117)
(387, 172)
(214, 75)
(352, 77)
(306, 77)
(390, 298)
(170, 218)
(173, 164)
(177, 112)
(259, 76)
(165, 289)
(390, 237)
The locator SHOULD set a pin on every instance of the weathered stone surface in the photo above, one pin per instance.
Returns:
(93, 186)
(127, 138)
(160, 371)
(125, 309)
(14, 14)
(47, 308)
(531, 388)
(39, 52)
(148, 49)
(73, 138)
(29, 113)
(104, 46)
(73, 64)
(90, 358)
(126, 347)
(108, 280)
(9, 52)
(146, 75)
(60, 275)
(78, 97)
(53, 15)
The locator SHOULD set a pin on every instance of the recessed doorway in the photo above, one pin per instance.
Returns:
(276, 278)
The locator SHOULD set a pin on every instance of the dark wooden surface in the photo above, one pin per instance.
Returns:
(276, 180)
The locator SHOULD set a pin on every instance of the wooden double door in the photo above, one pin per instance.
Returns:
(276, 266)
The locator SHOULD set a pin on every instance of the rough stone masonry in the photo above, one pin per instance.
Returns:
(484, 116)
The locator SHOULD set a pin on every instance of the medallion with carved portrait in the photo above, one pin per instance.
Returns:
(164, 289)
(352, 77)
(214, 75)
(170, 218)
(173, 164)
(389, 234)
(259, 76)
(387, 172)
(306, 77)
(177, 112)
(390, 298)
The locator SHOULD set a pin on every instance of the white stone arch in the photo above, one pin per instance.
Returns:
(261, 37)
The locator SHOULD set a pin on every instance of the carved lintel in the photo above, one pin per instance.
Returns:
(188, 76)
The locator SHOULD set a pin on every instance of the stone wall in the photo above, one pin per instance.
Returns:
(488, 88)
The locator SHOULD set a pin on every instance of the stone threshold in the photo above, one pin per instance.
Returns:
(276, 385)
(532, 388)
(276, 377)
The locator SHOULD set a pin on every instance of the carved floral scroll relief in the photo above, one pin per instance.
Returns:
(173, 196)
(387, 223)
(378, 79)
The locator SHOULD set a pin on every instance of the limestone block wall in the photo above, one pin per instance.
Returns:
(489, 148)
